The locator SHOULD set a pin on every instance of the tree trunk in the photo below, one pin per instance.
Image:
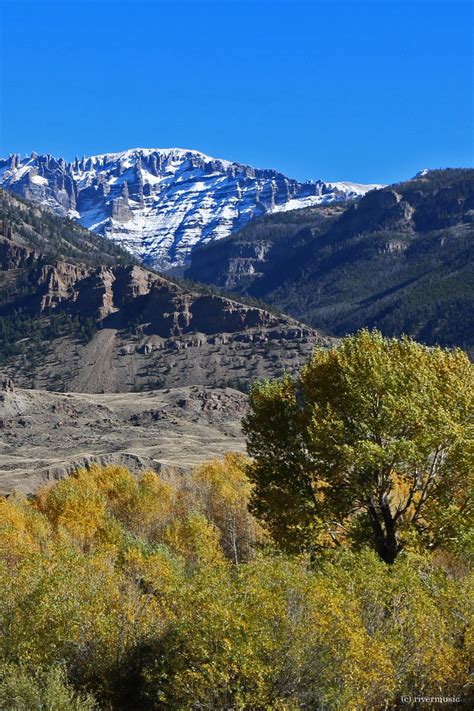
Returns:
(385, 538)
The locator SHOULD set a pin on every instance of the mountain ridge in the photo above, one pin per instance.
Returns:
(400, 259)
(160, 203)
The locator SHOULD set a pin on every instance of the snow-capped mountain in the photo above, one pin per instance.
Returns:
(160, 203)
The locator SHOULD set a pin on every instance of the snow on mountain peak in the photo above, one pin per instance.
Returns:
(159, 203)
(135, 152)
(422, 173)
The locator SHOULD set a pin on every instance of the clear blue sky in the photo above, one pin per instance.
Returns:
(340, 89)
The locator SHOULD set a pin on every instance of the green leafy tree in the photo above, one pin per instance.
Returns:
(372, 442)
(23, 690)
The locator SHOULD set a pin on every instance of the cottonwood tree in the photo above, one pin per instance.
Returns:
(372, 442)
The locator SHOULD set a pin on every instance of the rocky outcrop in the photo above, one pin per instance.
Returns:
(12, 254)
(126, 328)
(234, 263)
(58, 284)
(139, 296)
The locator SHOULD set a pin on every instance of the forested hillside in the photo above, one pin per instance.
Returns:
(400, 260)
(57, 238)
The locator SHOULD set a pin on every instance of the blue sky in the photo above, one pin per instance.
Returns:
(349, 89)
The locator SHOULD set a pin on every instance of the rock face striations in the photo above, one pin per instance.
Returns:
(160, 203)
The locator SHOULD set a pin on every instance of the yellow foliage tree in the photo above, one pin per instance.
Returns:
(223, 489)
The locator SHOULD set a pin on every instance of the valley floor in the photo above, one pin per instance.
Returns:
(47, 435)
